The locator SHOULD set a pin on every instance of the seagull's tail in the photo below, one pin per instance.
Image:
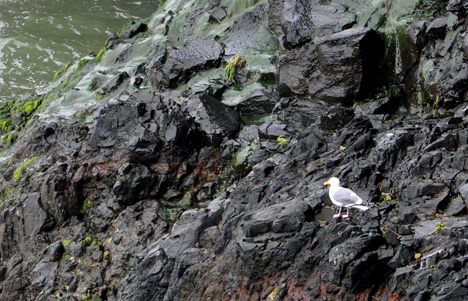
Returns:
(360, 207)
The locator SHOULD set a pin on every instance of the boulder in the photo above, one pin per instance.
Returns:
(259, 103)
(217, 14)
(134, 30)
(180, 64)
(114, 83)
(247, 34)
(340, 69)
(220, 114)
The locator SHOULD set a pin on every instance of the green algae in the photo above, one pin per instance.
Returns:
(16, 110)
(258, 120)
(232, 97)
(57, 74)
(80, 64)
(378, 15)
(100, 56)
(175, 34)
(240, 6)
(202, 26)
(264, 42)
(241, 156)
(372, 11)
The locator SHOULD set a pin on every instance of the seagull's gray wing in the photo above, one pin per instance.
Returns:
(346, 197)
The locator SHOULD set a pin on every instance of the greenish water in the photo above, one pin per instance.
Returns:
(39, 37)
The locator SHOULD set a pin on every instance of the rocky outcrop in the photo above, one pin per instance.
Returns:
(182, 184)
(342, 68)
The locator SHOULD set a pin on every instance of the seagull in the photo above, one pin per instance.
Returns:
(343, 197)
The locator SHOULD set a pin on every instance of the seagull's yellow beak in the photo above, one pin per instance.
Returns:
(326, 184)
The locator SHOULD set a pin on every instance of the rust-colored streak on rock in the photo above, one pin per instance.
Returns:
(365, 295)
(161, 168)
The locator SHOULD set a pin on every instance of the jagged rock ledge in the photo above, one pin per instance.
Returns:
(144, 174)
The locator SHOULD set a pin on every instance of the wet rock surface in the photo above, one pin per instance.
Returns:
(183, 63)
(195, 186)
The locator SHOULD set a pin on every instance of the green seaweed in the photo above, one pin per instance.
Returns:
(80, 64)
(239, 6)
(258, 120)
(100, 56)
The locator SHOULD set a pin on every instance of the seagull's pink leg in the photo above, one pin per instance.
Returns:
(347, 213)
(337, 215)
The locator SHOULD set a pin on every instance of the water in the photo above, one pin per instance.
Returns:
(39, 37)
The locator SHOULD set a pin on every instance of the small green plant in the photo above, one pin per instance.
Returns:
(387, 196)
(5, 125)
(29, 161)
(66, 242)
(439, 226)
(87, 241)
(86, 204)
(67, 66)
(18, 172)
(231, 65)
(281, 140)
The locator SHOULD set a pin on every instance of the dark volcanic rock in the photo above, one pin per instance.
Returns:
(287, 217)
(222, 115)
(346, 253)
(34, 217)
(134, 30)
(114, 83)
(142, 128)
(301, 21)
(182, 63)
(260, 103)
(218, 14)
(339, 69)
(170, 195)
(245, 32)
(133, 184)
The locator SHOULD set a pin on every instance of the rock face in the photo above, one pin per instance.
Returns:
(340, 69)
(182, 182)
